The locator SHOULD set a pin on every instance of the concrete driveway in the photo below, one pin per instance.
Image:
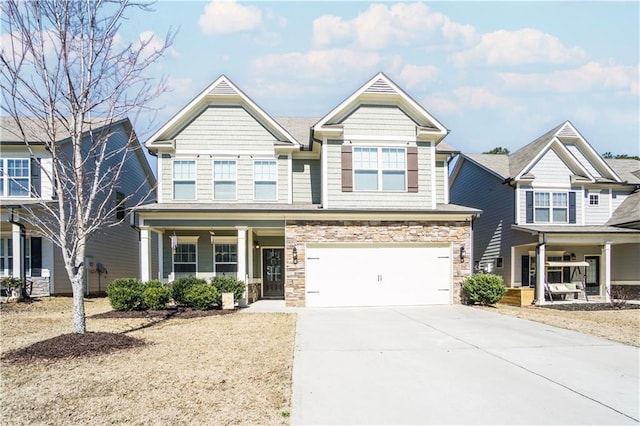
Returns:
(456, 365)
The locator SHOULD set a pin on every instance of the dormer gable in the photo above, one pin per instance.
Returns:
(381, 91)
(568, 145)
(222, 93)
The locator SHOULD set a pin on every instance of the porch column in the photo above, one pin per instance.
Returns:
(250, 257)
(540, 273)
(242, 261)
(606, 259)
(160, 256)
(145, 251)
(16, 247)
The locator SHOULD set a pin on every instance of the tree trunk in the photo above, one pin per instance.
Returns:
(79, 323)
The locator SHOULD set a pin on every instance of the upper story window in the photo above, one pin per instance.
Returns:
(551, 207)
(594, 199)
(14, 177)
(379, 169)
(184, 180)
(265, 180)
(224, 180)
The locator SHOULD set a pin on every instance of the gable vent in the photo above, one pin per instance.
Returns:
(223, 89)
(567, 132)
(380, 86)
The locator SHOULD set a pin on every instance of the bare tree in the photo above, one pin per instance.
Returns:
(67, 81)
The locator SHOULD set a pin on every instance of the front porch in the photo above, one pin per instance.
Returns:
(252, 254)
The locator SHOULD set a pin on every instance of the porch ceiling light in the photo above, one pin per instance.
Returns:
(212, 236)
(174, 241)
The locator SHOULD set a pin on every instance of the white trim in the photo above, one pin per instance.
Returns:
(160, 255)
(213, 178)
(610, 201)
(195, 178)
(584, 206)
(213, 153)
(445, 171)
(517, 209)
(381, 139)
(290, 177)
(160, 181)
(253, 180)
(145, 254)
(182, 239)
(606, 254)
(434, 196)
(564, 151)
(324, 153)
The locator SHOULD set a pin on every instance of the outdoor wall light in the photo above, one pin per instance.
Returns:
(212, 236)
(295, 255)
(573, 256)
(462, 253)
(257, 244)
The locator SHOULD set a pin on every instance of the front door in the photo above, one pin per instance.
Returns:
(593, 275)
(273, 273)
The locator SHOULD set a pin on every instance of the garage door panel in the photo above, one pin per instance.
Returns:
(377, 275)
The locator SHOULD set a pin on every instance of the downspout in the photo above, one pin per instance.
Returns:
(23, 263)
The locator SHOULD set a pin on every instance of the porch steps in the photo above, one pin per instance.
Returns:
(518, 296)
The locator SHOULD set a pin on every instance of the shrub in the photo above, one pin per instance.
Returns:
(156, 296)
(180, 286)
(485, 289)
(228, 285)
(125, 294)
(201, 296)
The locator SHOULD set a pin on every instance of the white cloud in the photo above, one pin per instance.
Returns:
(414, 75)
(325, 64)
(381, 26)
(589, 77)
(525, 46)
(227, 16)
(478, 98)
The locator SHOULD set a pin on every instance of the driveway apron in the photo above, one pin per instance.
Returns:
(456, 365)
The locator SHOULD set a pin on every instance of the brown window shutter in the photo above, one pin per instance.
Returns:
(412, 169)
(347, 168)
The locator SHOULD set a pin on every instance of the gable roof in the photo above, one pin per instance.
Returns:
(299, 128)
(381, 89)
(628, 213)
(223, 90)
(498, 164)
(628, 169)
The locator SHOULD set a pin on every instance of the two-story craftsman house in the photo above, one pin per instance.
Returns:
(351, 209)
(554, 200)
(26, 179)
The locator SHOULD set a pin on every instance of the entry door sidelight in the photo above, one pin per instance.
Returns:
(273, 273)
(593, 275)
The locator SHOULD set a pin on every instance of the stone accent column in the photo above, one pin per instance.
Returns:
(541, 257)
(16, 246)
(145, 251)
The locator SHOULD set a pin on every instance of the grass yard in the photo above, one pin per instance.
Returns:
(224, 369)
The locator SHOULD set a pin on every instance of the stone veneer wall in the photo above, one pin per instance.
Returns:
(299, 232)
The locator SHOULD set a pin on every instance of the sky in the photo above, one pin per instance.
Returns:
(493, 73)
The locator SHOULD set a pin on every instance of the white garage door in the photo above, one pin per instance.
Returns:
(380, 275)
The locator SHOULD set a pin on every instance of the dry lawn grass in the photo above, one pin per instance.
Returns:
(229, 369)
(618, 325)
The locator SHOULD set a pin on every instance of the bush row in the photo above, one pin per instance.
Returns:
(128, 294)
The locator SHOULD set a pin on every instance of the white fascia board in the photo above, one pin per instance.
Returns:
(566, 152)
(594, 155)
(543, 151)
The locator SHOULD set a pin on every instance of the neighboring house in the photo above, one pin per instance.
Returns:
(554, 200)
(24, 179)
(351, 209)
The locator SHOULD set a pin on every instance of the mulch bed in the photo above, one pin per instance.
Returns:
(179, 312)
(591, 306)
(72, 345)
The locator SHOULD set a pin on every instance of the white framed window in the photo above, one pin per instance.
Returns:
(6, 257)
(379, 169)
(224, 180)
(594, 199)
(184, 179)
(225, 256)
(185, 256)
(499, 262)
(551, 207)
(265, 185)
(15, 177)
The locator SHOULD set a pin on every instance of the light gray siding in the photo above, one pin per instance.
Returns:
(625, 268)
(597, 215)
(420, 199)
(223, 128)
(551, 169)
(617, 198)
(377, 120)
(582, 159)
(306, 181)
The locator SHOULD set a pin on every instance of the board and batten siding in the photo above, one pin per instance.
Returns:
(550, 169)
(378, 120)
(597, 215)
(223, 128)
(338, 199)
(307, 185)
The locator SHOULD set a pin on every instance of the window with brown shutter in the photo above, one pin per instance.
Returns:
(412, 169)
(347, 168)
